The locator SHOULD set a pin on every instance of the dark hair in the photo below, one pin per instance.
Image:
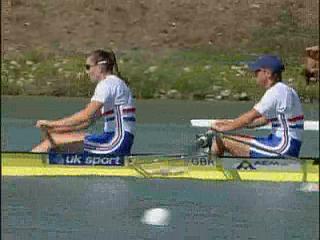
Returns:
(277, 76)
(110, 62)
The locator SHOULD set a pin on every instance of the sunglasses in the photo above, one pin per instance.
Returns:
(88, 66)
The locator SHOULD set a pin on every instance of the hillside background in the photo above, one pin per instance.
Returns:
(153, 33)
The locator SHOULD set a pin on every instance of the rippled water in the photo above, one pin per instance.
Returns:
(111, 207)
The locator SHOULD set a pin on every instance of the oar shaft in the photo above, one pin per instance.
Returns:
(207, 123)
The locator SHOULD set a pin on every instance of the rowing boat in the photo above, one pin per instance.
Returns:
(201, 167)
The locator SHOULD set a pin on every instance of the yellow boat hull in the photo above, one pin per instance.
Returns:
(27, 164)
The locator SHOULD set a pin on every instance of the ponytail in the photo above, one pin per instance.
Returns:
(116, 68)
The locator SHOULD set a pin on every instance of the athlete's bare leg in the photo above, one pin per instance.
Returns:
(59, 139)
(220, 145)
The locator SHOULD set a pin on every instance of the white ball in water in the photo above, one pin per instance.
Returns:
(156, 216)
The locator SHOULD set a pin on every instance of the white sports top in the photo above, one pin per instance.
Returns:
(118, 104)
(281, 105)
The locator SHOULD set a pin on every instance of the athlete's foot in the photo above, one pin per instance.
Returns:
(41, 148)
(37, 150)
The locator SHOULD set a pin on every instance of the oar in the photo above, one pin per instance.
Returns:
(207, 123)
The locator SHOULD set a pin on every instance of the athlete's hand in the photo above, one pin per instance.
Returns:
(220, 125)
(44, 124)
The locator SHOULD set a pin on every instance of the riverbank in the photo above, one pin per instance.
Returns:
(163, 51)
(199, 74)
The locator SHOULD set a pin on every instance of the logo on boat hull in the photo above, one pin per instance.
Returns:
(85, 159)
(271, 164)
(202, 161)
(246, 165)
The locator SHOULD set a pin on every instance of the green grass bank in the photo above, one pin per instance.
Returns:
(181, 74)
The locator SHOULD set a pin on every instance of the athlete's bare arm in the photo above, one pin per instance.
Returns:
(83, 117)
(240, 122)
(258, 122)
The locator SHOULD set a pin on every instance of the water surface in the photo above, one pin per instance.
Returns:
(111, 207)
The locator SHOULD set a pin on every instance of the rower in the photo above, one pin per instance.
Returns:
(112, 100)
(279, 105)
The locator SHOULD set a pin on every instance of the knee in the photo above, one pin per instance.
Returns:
(46, 144)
